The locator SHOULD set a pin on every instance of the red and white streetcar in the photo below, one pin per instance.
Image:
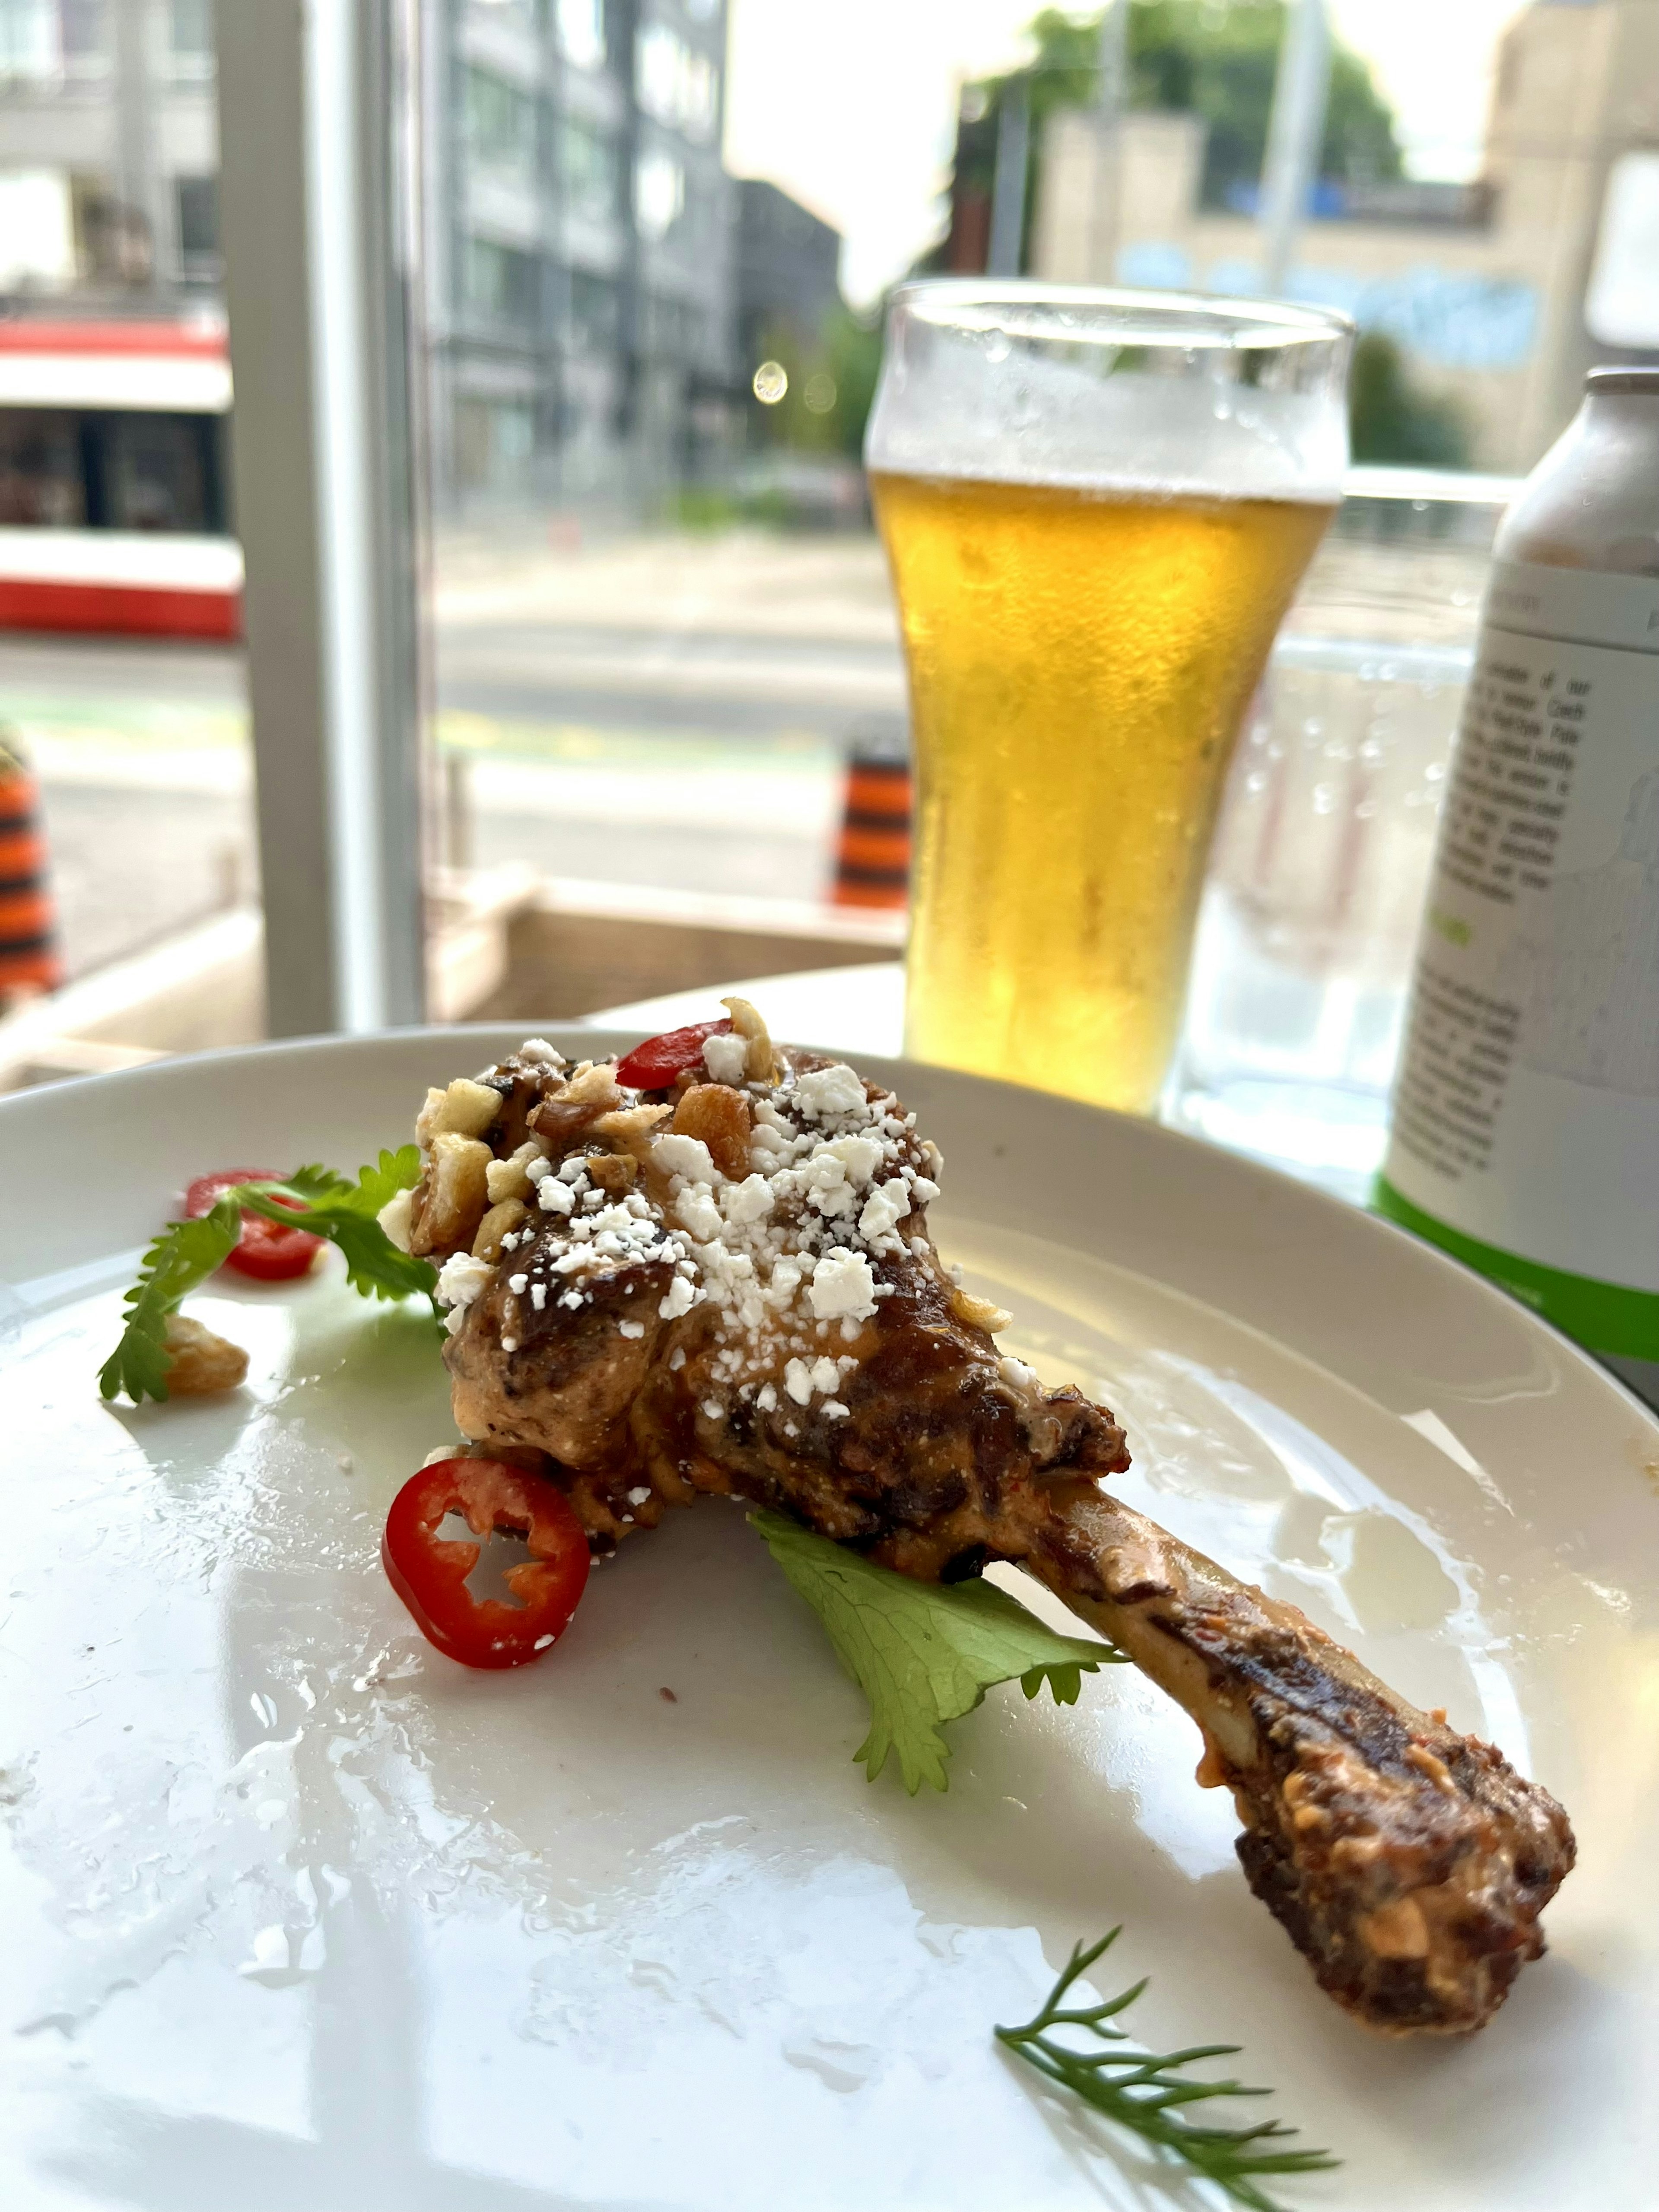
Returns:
(114, 508)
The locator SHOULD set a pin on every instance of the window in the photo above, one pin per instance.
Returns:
(659, 193)
(594, 311)
(196, 199)
(40, 472)
(500, 122)
(495, 439)
(675, 85)
(500, 283)
(190, 38)
(587, 169)
(581, 32)
(84, 29)
(31, 47)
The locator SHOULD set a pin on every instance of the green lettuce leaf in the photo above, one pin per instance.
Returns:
(923, 1653)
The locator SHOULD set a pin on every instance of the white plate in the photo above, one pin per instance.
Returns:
(300, 1918)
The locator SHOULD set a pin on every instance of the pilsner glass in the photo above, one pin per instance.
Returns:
(1097, 507)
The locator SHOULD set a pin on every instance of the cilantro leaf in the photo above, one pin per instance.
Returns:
(187, 1252)
(345, 1213)
(923, 1653)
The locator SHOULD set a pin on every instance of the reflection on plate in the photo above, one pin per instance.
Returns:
(302, 1917)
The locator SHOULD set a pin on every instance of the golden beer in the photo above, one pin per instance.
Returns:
(1079, 664)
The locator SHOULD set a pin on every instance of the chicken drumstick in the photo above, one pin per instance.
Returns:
(726, 1286)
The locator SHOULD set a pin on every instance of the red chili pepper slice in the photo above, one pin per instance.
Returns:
(429, 1571)
(655, 1064)
(265, 1248)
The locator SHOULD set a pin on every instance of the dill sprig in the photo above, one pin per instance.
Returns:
(1145, 2091)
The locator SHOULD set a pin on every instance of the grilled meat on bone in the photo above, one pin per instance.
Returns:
(754, 1307)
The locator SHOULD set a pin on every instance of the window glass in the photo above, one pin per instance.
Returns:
(588, 169)
(121, 671)
(676, 85)
(581, 32)
(659, 193)
(31, 45)
(500, 123)
(190, 34)
(501, 282)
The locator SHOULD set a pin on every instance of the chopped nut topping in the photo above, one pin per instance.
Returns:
(487, 1244)
(978, 1313)
(468, 1109)
(576, 1105)
(201, 1362)
(510, 1178)
(718, 1117)
(612, 1171)
(762, 1064)
(451, 1201)
(631, 1126)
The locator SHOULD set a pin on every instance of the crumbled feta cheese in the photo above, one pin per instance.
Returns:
(752, 1200)
(725, 1057)
(518, 1284)
(538, 1049)
(571, 1298)
(860, 1157)
(639, 1496)
(510, 1344)
(676, 1359)
(461, 1278)
(925, 1190)
(686, 1156)
(883, 1208)
(539, 1169)
(393, 1218)
(554, 1196)
(833, 1410)
(573, 1170)
(833, 1090)
(680, 1299)
(797, 1381)
(630, 1329)
(713, 1410)
(699, 1215)
(767, 1398)
(1016, 1373)
(843, 1282)
(538, 1296)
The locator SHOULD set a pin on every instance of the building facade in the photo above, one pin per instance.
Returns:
(579, 230)
(109, 149)
(1484, 288)
(580, 249)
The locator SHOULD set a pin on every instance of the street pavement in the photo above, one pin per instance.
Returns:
(664, 710)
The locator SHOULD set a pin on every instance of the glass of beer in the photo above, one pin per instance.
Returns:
(1097, 506)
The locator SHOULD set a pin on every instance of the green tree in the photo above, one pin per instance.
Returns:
(1389, 419)
(1216, 62)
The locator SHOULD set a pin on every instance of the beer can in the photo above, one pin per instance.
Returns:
(1525, 1130)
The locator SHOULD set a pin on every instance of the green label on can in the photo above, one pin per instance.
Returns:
(1602, 1316)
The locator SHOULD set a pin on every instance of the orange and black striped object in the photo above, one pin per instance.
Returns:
(873, 862)
(29, 959)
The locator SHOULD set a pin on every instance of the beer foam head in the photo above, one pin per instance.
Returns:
(1145, 393)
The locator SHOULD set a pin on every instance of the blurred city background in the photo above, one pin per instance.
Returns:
(655, 239)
